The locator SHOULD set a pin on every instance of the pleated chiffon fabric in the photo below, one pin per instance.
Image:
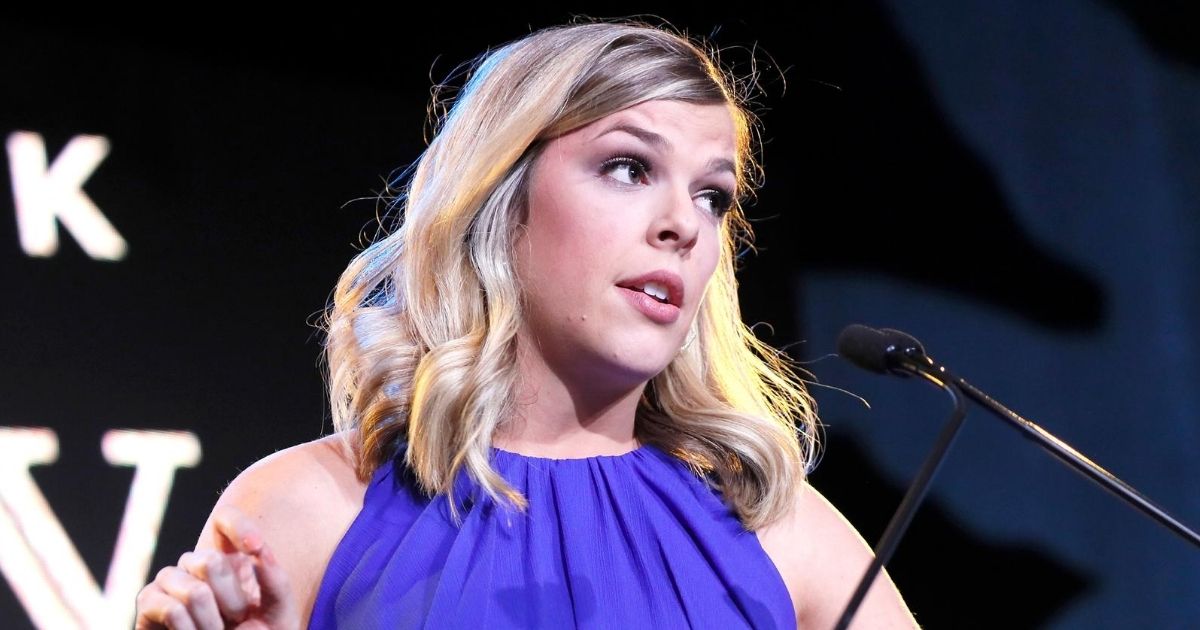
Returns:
(623, 541)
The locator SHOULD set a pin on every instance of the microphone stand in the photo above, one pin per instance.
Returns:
(912, 360)
(912, 499)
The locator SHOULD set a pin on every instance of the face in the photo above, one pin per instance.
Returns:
(629, 205)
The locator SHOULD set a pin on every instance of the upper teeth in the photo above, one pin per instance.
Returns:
(655, 289)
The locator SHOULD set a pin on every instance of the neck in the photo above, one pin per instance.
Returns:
(562, 415)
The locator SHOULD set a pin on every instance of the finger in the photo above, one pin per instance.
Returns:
(276, 587)
(195, 597)
(220, 571)
(235, 531)
(149, 605)
(157, 610)
(248, 578)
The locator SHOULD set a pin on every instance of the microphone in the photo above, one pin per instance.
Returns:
(880, 351)
(889, 351)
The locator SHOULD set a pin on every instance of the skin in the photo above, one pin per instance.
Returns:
(594, 218)
(586, 353)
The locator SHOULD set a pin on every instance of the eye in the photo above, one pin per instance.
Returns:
(636, 168)
(720, 200)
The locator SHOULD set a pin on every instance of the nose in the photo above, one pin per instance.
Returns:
(676, 225)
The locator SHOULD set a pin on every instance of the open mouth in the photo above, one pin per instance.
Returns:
(656, 291)
(657, 309)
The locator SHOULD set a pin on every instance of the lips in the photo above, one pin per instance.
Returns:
(670, 281)
(654, 310)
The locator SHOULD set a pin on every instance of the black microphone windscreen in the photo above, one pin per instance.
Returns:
(865, 347)
(901, 339)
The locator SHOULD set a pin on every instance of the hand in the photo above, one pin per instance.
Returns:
(238, 583)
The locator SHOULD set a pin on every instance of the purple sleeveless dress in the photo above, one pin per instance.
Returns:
(622, 541)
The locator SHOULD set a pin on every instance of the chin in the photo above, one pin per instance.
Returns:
(645, 369)
(627, 364)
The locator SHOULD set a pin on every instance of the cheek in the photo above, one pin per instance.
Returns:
(560, 263)
(708, 266)
(570, 241)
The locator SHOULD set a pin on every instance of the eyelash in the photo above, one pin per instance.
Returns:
(722, 199)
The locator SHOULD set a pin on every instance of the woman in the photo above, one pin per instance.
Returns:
(549, 412)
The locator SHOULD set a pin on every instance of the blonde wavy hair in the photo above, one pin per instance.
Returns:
(421, 332)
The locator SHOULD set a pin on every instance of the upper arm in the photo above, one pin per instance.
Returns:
(830, 559)
(302, 499)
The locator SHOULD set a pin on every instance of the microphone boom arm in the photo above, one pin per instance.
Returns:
(1073, 458)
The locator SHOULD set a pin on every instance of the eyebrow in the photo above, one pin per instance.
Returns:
(662, 144)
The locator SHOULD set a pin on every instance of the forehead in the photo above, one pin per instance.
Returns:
(669, 126)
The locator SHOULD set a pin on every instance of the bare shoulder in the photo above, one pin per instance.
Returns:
(303, 499)
(822, 557)
(315, 477)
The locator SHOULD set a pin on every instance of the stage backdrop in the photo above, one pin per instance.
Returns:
(1014, 183)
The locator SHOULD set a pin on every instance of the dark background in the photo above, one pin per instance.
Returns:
(1014, 183)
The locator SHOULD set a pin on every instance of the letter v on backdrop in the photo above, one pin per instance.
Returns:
(38, 559)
